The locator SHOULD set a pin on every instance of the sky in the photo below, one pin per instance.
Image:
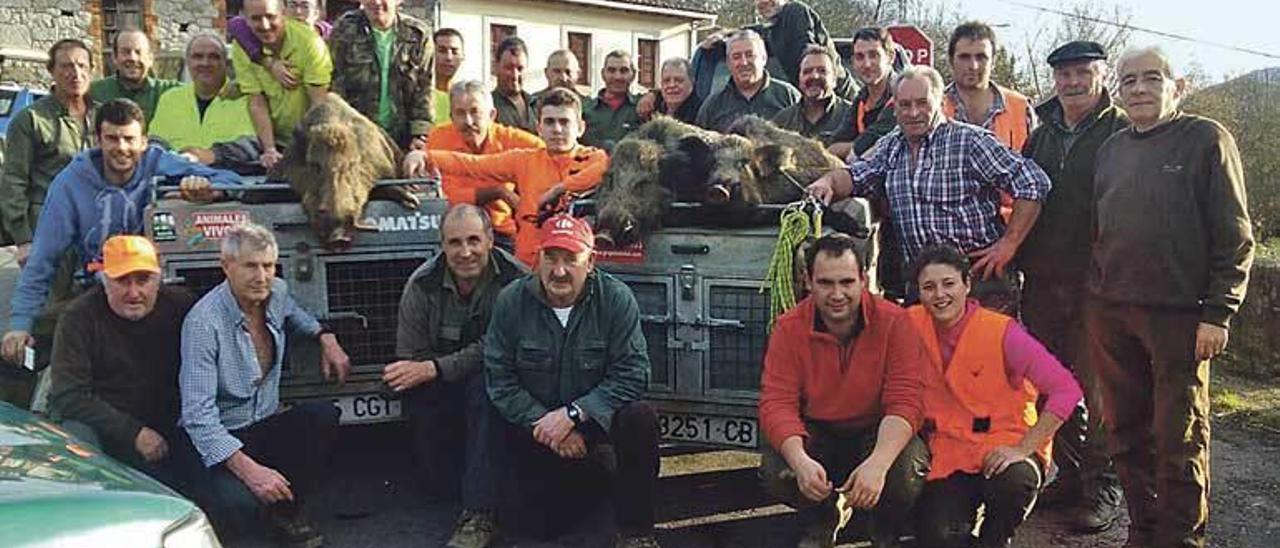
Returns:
(1251, 24)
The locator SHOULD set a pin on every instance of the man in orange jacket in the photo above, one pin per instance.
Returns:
(472, 129)
(841, 401)
(546, 173)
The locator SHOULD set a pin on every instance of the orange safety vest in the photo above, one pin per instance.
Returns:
(1011, 127)
(969, 401)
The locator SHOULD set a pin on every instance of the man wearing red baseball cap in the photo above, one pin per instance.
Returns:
(566, 365)
(115, 364)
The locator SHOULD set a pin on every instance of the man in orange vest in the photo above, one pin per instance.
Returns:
(840, 402)
(990, 445)
(472, 129)
(973, 98)
(540, 175)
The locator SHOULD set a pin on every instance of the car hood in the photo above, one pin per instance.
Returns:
(65, 491)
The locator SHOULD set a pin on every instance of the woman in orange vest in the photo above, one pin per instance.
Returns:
(990, 447)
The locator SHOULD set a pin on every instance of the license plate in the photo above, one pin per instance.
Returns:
(367, 408)
(691, 427)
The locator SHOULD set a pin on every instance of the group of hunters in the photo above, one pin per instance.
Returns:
(1055, 280)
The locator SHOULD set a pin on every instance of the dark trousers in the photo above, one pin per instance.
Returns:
(450, 422)
(553, 493)
(295, 443)
(178, 470)
(1053, 311)
(949, 507)
(1157, 396)
(839, 452)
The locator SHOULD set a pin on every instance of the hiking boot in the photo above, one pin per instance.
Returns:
(639, 541)
(1101, 511)
(475, 529)
(292, 530)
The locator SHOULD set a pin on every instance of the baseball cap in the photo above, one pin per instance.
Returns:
(122, 255)
(567, 232)
(1079, 50)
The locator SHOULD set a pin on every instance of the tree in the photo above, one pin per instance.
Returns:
(1088, 20)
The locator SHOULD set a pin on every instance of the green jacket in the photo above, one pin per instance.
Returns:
(422, 332)
(877, 120)
(606, 126)
(357, 77)
(836, 124)
(41, 140)
(109, 88)
(724, 108)
(533, 365)
(1058, 246)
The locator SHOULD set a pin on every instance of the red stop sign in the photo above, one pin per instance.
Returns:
(918, 45)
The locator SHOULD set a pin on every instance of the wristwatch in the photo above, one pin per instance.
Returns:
(574, 412)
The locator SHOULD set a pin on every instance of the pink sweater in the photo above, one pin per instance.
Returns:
(1024, 358)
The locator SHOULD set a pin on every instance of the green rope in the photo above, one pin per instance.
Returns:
(795, 225)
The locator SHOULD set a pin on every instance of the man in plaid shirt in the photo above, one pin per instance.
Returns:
(942, 180)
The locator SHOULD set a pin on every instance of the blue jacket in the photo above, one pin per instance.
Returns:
(82, 210)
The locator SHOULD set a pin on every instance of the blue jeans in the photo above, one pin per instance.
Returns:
(450, 422)
(295, 443)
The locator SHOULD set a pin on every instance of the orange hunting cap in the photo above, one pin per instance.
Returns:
(123, 255)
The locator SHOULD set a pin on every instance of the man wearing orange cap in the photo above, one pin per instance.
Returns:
(115, 363)
(566, 365)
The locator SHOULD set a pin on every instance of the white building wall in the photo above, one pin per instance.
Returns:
(544, 26)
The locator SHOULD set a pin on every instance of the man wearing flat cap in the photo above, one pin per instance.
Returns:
(566, 365)
(1055, 259)
(115, 364)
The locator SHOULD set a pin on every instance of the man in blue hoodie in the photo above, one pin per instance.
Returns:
(101, 193)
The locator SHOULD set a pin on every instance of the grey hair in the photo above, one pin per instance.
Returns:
(749, 35)
(247, 236)
(463, 209)
(924, 72)
(471, 87)
(1135, 52)
(678, 63)
(206, 36)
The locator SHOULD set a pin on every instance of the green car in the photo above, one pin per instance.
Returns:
(57, 491)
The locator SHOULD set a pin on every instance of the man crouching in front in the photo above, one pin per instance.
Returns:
(258, 457)
(565, 363)
(841, 401)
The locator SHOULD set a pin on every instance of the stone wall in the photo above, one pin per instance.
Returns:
(36, 25)
(1254, 348)
(173, 22)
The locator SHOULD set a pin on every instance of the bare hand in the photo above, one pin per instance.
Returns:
(197, 189)
(1211, 340)
(151, 445)
(14, 346)
(406, 374)
(573, 446)
(552, 427)
(22, 254)
(712, 40)
(841, 150)
(333, 359)
(811, 479)
(203, 156)
(1001, 458)
(646, 106)
(419, 142)
(863, 487)
(270, 158)
(551, 198)
(267, 484)
(284, 73)
(822, 189)
(416, 164)
(992, 259)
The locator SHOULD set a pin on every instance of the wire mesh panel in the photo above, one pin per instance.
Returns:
(739, 322)
(654, 303)
(370, 290)
(199, 280)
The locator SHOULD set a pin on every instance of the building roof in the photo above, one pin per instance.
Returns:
(687, 9)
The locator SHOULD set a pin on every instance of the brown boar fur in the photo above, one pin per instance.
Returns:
(336, 158)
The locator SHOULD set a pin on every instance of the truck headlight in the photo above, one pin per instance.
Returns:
(193, 531)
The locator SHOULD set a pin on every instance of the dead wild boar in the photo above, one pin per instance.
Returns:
(666, 160)
(336, 158)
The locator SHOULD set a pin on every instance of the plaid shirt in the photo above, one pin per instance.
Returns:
(223, 388)
(951, 194)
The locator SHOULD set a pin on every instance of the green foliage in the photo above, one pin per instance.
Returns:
(1250, 110)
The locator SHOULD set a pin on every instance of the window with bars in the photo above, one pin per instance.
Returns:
(117, 15)
(580, 45)
(647, 62)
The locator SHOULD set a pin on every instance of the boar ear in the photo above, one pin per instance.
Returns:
(773, 158)
(695, 146)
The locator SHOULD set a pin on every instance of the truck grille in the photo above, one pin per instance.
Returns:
(199, 280)
(652, 298)
(371, 290)
(738, 353)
